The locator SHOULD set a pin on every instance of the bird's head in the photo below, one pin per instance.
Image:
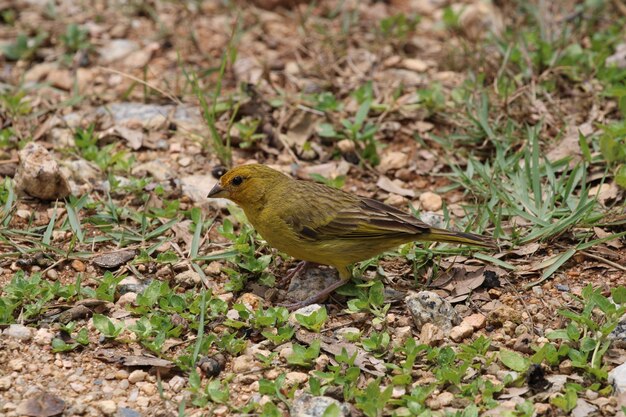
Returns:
(246, 184)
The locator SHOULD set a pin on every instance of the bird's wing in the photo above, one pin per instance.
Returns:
(355, 218)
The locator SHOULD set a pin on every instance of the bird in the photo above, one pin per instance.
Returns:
(319, 224)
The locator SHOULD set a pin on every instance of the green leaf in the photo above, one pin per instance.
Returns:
(619, 295)
(332, 410)
(514, 361)
(620, 176)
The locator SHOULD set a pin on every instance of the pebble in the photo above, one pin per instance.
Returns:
(460, 332)
(149, 389)
(617, 377)
(307, 405)
(22, 214)
(392, 161)
(19, 332)
(188, 279)
(244, 363)
(127, 412)
(107, 407)
(523, 343)
(121, 374)
(77, 387)
(143, 401)
(220, 410)
(542, 408)
(477, 321)
(137, 376)
(346, 146)
(431, 335)
(498, 316)
(251, 301)
(509, 327)
(185, 161)
(78, 265)
(52, 274)
(5, 383)
(295, 378)
(177, 383)
(126, 299)
(272, 374)
(402, 334)
(430, 201)
(442, 400)
(321, 362)
(16, 365)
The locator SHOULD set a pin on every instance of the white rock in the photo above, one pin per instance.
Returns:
(295, 378)
(38, 174)
(43, 337)
(617, 377)
(392, 161)
(414, 64)
(244, 363)
(460, 332)
(177, 383)
(430, 201)
(306, 405)
(117, 49)
(108, 407)
(19, 332)
(5, 383)
(137, 376)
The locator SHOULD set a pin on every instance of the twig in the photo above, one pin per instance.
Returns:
(620, 6)
(604, 260)
(140, 81)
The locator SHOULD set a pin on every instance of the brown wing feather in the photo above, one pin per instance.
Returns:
(352, 217)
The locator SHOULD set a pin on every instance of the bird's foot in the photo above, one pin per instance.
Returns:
(302, 266)
(322, 295)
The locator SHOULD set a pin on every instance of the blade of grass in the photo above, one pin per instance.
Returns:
(47, 236)
(72, 217)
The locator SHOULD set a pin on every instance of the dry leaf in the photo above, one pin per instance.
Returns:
(392, 187)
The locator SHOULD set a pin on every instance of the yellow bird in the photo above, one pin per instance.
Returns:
(316, 223)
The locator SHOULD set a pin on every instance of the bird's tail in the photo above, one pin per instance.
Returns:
(448, 236)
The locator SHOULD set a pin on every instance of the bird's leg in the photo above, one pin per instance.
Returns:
(317, 297)
(302, 266)
(344, 277)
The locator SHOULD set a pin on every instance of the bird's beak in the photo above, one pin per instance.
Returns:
(217, 192)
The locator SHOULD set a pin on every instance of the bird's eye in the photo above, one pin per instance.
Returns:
(237, 180)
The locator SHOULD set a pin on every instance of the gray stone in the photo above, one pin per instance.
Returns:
(617, 377)
(307, 405)
(19, 332)
(310, 281)
(127, 412)
(134, 115)
(117, 49)
(428, 307)
(618, 335)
